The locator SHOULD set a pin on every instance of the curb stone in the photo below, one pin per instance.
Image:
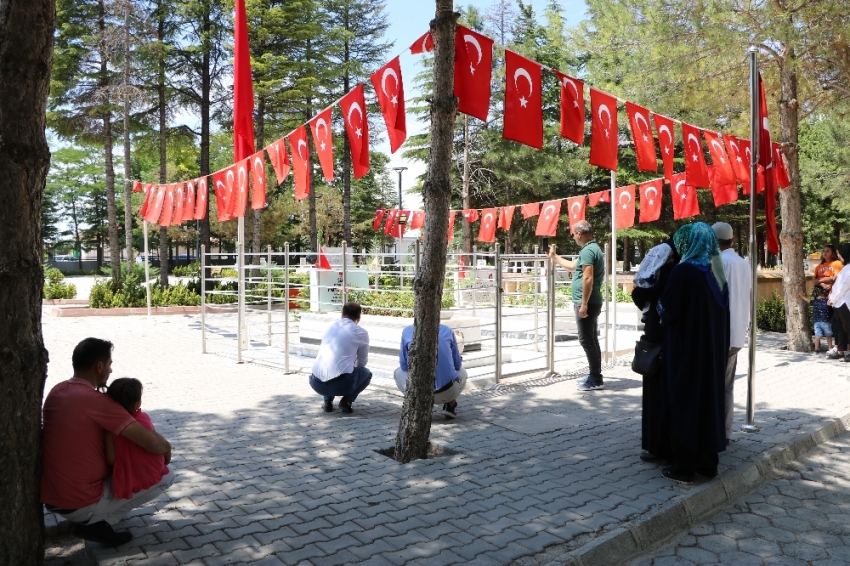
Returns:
(642, 535)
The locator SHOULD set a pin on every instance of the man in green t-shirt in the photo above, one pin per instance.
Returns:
(589, 271)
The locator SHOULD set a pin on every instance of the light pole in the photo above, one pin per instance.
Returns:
(399, 170)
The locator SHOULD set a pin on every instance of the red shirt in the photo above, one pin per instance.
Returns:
(135, 468)
(74, 418)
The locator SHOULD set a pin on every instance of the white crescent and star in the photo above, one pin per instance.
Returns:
(693, 138)
(638, 118)
(737, 150)
(319, 123)
(720, 149)
(389, 71)
(260, 168)
(298, 148)
(603, 109)
(355, 106)
(573, 209)
(547, 214)
(666, 130)
(568, 82)
(467, 38)
(488, 219)
(521, 72)
(654, 190)
(628, 199)
(678, 192)
(749, 155)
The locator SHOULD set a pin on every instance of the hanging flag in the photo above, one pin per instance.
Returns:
(747, 159)
(742, 172)
(603, 130)
(279, 159)
(473, 72)
(320, 125)
(487, 230)
(353, 106)
(666, 142)
(258, 180)
(523, 102)
(300, 162)
(322, 262)
(593, 199)
(224, 182)
(379, 216)
(650, 200)
(719, 158)
(179, 196)
(685, 203)
(694, 157)
(470, 214)
(451, 232)
(547, 223)
(625, 206)
(390, 90)
(572, 108)
(157, 199)
(417, 220)
(766, 161)
(506, 217)
(575, 208)
(424, 44)
(149, 194)
(189, 206)
(642, 137)
(782, 179)
(243, 88)
(530, 209)
(723, 193)
(392, 216)
(167, 207)
(239, 202)
(400, 226)
(137, 186)
(201, 199)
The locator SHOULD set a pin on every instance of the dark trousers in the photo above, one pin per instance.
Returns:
(841, 327)
(687, 463)
(587, 337)
(347, 385)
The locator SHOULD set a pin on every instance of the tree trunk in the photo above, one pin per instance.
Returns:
(128, 184)
(627, 256)
(26, 51)
(467, 226)
(206, 89)
(791, 236)
(111, 210)
(163, 172)
(414, 426)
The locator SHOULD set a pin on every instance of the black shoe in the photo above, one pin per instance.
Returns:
(846, 358)
(328, 406)
(707, 473)
(345, 406)
(681, 478)
(102, 533)
(651, 458)
(834, 356)
(450, 410)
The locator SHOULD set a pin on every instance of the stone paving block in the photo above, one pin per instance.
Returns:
(336, 544)
(229, 546)
(469, 549)
(374, 548)
(368, 536)
(509, 553)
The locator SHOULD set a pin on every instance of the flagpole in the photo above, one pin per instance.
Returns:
(147, 267)
(240, 266)
(750, 425)
(613, 268)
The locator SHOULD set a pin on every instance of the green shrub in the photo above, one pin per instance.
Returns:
(392, 304)
(770, 314)
(191, 270)
(132, 295)
(55, 287)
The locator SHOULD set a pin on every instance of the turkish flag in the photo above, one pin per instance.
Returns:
(547, 223)
(572, 108)
(149, 193)
(400, 226)
(506, 217)
(379, 215)
(353, 106)
(719, 158)
(224, 182)
(530, 209)
(766, 161)
(300, 162)
(239, 202)
(733, 148)
(523, 102)
(189, 206)
(666, 142)
(473, 72)
(650, 200)
(625, 214)
(392, 216)
(390, 90)
(320, 125)
(782, 179)
(417, 220)
(156, 200)
(723, 193)
(470, 214)
(451, 231)
(243, 87)
(137, 186)
(280, 160)
(685, 203)
(642, 137)
(694, 157)
(258, 180)
(575, 208)
(746, 155)
(603, 130)
(593, 199)
(179, 199)
(201, 198)
(424, 44)
(322, 262)
(487, 230)
(167, 207)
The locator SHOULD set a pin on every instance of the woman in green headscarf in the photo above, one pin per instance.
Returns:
(694, 310)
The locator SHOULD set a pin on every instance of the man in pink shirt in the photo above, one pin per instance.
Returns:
(75, 478)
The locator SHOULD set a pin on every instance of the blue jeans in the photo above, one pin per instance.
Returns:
(348, 385)
(823, 329)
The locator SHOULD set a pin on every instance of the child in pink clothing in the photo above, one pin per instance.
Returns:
(134, 468)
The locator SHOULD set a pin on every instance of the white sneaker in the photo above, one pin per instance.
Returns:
(834, 350)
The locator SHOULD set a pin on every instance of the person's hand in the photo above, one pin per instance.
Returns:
(582, 311)
(553, 250)
(829, 303)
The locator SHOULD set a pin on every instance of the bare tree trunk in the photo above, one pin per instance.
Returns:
(791, 236)
(206, 89)
(163, 172)
(414, 426)
(111, 210)
(128, 184)
(467, 226)
(26, 53)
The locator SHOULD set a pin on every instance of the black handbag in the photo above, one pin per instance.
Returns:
(647, 357)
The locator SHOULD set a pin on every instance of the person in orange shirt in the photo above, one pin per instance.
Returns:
(827, 270)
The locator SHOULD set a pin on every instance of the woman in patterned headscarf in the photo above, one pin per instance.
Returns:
(694, 310)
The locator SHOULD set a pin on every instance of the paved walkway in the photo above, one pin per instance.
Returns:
(800, 518)
(542, 473)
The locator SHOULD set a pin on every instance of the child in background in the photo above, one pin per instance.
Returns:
(821, 315)
(134, 468)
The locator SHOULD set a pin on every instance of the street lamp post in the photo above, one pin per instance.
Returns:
(399, 170)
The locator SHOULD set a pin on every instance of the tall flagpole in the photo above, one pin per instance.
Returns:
(755, 120)
(614, 267)
(147, 266)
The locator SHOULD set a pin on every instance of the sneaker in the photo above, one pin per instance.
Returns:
(328, 406)
(450, 410)
(834, 355)
(345, 406)
(846, 358)
(101, 532)
(597, 384)
(586, 384)
(681, 478)
(832, 350)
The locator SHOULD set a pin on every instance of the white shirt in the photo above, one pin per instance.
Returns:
(343, 344)
(740, 280)
(840, 294)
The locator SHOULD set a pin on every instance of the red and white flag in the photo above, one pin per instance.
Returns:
(390, 90)
(593, 199)
(320, 125)
(167, 207)
(603, 130)
(694, 157)
(179, 201)
(747, 157)
(625, 214)
(487, 230)
(576, 209)
(322, 261)
(417, 220)
(243, 87)
(723, 192)
(353, 106)
(258, 180)
(470, 214)
(723, 170)
(451, 231)
(224, 182)
(137, 186)
(523, 101)
(572, 108)
(424, 44)
(650, 200)
(685, 203)
(530, 209)
(666, 142)
(766, 161)
(189, 207)
(280, 160)
(379, 216)
(400, 225)
(392, 216)
(157, 199)
(300, 162)
(473, 72)
(642, 137)
(547, 223)
(149, 194)
(782, 179)
(742, 172)
(239, 202)
(201, 198)
(506, 217)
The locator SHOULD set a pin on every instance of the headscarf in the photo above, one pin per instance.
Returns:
(647, 274)
(697, 244)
